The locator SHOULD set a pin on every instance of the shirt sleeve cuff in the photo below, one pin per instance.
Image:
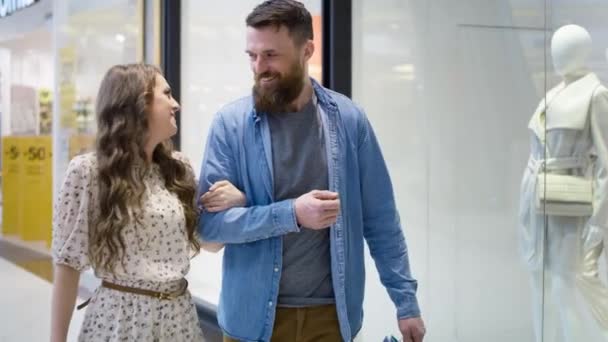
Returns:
(409, 309)
(284, 217)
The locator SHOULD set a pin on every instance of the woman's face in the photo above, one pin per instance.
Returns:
(161, 120)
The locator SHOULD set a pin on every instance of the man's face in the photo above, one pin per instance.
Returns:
(278, 66)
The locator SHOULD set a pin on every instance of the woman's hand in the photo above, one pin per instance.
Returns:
(221, 196)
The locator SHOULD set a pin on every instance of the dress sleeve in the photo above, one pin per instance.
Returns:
(71, 216)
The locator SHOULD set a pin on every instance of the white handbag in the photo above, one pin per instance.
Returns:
(564, 195)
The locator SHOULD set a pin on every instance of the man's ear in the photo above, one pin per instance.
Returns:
(309, 49)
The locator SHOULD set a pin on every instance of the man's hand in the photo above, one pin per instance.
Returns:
(412, 329)
(317, 209)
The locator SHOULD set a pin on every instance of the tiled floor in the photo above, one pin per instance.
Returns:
(35, 262)
(26, 302)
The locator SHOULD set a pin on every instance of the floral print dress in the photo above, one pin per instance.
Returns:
(157, 257)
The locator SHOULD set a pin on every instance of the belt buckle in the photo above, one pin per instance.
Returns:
(165, 296)
(174, 295)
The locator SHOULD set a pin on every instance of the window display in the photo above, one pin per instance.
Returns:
(26, 80)
(569, 139)
(450, 88)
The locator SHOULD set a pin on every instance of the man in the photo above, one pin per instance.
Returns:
(317, 187)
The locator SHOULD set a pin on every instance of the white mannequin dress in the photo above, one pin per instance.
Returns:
(577, 141)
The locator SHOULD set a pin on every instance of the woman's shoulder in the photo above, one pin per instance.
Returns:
(83, 165)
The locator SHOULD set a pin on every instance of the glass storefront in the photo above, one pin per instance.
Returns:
(90, 37)
(26, 52)
(574, 292)
(26, 100)
(451, 88)
(53, 55)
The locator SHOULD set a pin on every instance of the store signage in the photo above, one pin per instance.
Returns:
(8, 7)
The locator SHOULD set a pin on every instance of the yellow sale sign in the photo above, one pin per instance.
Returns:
(27, 187)
(37, 184)
(11, 185)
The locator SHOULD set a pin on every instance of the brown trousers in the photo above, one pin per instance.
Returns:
(313, 324)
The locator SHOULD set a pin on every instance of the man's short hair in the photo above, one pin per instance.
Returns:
(289, 13)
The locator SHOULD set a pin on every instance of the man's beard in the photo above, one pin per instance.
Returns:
(278, 97)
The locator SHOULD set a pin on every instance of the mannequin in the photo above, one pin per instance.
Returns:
(573, 121)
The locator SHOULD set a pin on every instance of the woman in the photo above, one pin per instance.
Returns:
(129, 211)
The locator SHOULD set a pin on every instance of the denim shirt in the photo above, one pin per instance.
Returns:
(239, 150)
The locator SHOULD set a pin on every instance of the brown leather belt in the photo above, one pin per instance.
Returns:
(143, 292)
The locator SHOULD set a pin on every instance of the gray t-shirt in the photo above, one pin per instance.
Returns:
(300, 166)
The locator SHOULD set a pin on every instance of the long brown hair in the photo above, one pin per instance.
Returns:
(123, 103)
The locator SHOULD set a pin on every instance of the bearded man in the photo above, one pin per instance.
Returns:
(317, 187)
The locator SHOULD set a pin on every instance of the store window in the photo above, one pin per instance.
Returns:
(451, 89)
(575, 292)
(53, 55)
(91, 36)
(26, 99)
